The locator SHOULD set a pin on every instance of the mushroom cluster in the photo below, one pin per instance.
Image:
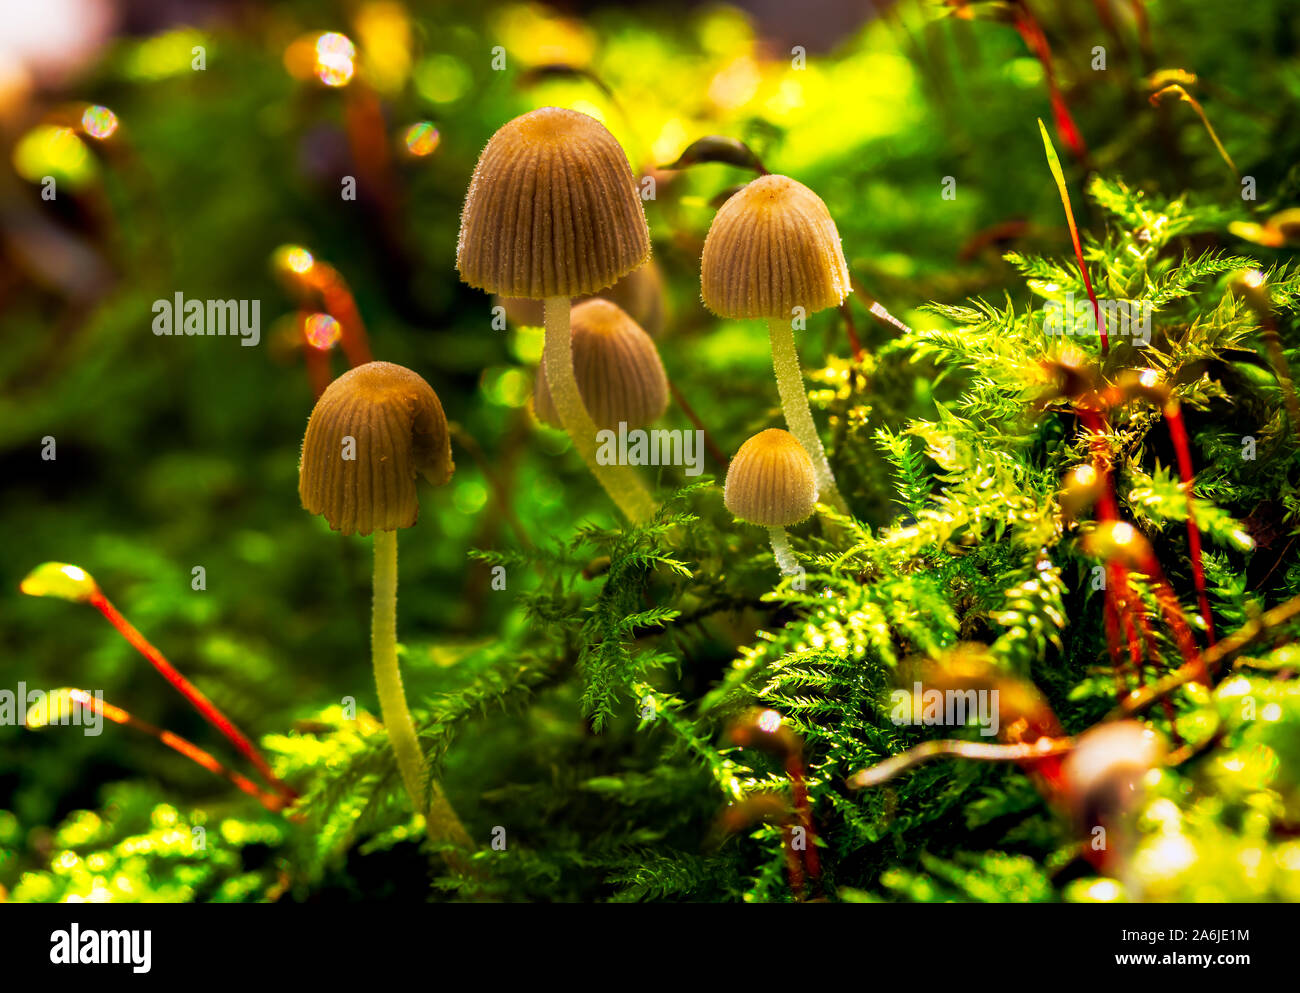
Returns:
(552, 213)
(773, 251)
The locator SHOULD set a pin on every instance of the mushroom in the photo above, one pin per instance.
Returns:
(1104, 786)
(771, 483)
(618, 371)
(552, 213)
(773, 251)
(373, 430)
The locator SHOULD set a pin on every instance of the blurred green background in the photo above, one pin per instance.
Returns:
(181, 452)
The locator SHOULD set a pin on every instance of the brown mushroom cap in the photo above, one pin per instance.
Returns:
(773, 247)
(1106, 766)
(770, 481)
(640, 293)
(399, 429)
(620, 376)
(552, 210)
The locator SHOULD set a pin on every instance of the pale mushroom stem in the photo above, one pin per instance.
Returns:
(620, 482)
(441, 820)
(784, 553)
(798, 415)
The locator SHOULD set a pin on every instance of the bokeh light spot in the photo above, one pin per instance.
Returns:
(505, 387)
(384, 30)
(470, 495)
(422, 139)
(294, 258)
(442, 78)
(98, 121)
(335, 56)
(53, 151)
(321, 331)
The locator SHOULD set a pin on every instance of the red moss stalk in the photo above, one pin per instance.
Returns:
(1113, 639)
(803, 810)
(1036, 41)
(191, 751)
(1178, 432)
(712, 446)
(339, 302)
(855, 343)
(191, 693)
(316, 359)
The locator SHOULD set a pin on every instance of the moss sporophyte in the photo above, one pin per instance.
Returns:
(70, 582)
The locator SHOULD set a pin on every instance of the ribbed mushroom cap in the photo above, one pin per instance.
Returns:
(640, 293)
(770, 481)
(399, 430)
(773, 247)
(619, 373)
(552, 210)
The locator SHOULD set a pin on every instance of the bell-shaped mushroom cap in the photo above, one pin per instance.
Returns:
(373, 429)
(620, 376)
(773, 247)
(640, 293)
(771, 481)
(552, 210)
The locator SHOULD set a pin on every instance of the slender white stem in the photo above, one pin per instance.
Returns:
(441, 819)
(798, 415)
(388, 676)
(621, 482)
(785, 559)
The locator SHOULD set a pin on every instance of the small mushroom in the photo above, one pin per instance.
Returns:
(773, 251)
(1104, 784)
(619, 373)
(373, 430)
(771, 483)
(552, 213)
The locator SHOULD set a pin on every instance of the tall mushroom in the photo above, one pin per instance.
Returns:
(773, 251)
(771, 483)
(552, 213)
(618, 370)
(373, 430)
